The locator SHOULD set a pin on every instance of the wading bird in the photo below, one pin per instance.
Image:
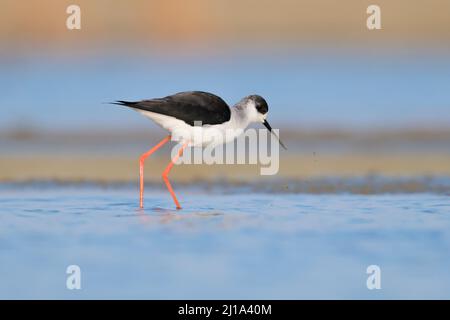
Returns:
(181, 114)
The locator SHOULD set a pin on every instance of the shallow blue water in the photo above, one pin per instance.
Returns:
(243, 245)
(306, 89)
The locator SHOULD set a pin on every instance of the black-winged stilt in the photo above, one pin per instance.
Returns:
(184, 112)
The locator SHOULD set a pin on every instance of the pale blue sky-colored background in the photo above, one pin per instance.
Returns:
(304, 89)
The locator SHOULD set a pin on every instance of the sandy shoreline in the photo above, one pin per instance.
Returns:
(125, 169)
(113, 156)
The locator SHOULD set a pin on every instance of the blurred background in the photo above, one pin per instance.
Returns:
(365, 180)
(348, 101)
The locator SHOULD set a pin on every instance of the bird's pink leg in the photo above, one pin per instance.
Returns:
(166, 173)
(141, 168)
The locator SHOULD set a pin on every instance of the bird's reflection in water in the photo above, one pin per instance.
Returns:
(165, 216)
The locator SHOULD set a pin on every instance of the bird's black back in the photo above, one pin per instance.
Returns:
(190, 106)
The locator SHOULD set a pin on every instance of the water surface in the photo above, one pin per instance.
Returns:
(304, 89)
(222, 245)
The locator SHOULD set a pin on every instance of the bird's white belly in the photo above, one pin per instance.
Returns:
(199, 136)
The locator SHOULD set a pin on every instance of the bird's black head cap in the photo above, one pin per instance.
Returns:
(260, 103)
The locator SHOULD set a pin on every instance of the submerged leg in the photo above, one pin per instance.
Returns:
(166, 173)
(141, 168)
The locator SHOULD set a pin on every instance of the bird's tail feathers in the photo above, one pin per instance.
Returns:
(124, 103)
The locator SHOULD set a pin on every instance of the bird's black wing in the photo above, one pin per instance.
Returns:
(190, 106)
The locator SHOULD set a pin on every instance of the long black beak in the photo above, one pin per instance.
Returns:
(267, 125)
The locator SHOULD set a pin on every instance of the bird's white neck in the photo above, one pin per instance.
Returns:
(239, 118)
(228, 131)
